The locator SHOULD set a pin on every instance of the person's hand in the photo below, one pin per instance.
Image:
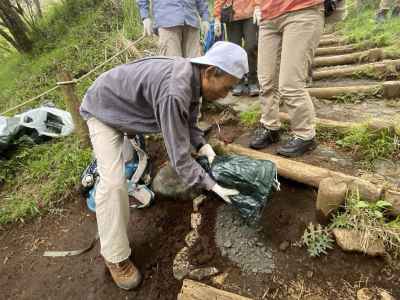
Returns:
(204, 27)
(207, 150)
(257, 15)
(147, 27)
(217, 28)
(224, 193)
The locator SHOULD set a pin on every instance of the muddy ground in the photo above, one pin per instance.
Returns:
(157, 233)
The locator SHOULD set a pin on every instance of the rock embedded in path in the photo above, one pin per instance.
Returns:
(284, 245)
(167, 184)
(181, 265)
(331, 195)
(372, 294)
(393, 197)
(352, 240)
(202, 273)
(391, 89)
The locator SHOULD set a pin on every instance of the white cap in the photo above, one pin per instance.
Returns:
(227, 56)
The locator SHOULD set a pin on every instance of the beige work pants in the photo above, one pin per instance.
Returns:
(385, 4)
(285, 52)
(112, 203)
(183, 41)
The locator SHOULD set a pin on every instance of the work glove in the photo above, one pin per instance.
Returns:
(147, 27)
(224, 193)
(257, 15)
(207, 150)
(217, 28)
(204, 27)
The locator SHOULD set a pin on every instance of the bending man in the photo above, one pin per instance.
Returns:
(151, 95)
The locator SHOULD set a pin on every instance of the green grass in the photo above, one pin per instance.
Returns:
(79, 35)
(370, 145)
(360, 27)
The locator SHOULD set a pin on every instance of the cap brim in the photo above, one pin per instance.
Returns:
(202, 60)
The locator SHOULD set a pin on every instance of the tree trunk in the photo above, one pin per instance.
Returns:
(38, 8)
(18, 31)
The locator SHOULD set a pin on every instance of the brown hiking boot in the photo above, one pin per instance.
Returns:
(125, 275)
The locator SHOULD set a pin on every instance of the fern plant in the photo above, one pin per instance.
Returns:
(317, 240)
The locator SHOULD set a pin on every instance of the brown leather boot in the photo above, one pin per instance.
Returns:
(125, 275)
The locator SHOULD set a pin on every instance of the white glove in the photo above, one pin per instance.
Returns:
(257, 15)
(204, 27)
(224, 193)
(147, 27)
(217, 28)
(207, 150)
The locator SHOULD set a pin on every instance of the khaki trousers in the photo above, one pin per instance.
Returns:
(183, 41)
(385, 4)
(286, 49)
(112, 203)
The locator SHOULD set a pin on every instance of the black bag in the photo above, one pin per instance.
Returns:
(227, 13)
(330, 7)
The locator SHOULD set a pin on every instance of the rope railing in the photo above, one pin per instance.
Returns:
(74, 81)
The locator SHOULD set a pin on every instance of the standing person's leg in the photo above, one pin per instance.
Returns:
(112, 204)
(191, 42)
(170, 41)
(234, 32)
(384, 7)
(297, 56)
(250, 34)
(269, 47)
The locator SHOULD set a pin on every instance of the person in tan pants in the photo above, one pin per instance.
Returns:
(288, 37)
(384, 8)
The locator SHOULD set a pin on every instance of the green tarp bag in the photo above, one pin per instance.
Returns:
(254, 179)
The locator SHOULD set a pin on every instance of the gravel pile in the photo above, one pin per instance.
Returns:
(241, 243)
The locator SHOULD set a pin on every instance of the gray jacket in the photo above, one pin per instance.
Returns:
(151, 95)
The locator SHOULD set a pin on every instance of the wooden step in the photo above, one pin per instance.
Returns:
(379, 68)
(336, 50)
(372, 55)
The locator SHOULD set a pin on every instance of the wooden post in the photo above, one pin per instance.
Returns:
(72, 104)
(336, 50)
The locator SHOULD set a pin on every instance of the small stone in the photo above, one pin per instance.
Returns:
(197, 202)
(352, 240)
(202, 273)
(228, 244)
(191, 238)
(181, 266)
(195, 220)
(220, 279)
(255, 270)
(284, 245)
(259, 244)
(309, 274)
(371, 294)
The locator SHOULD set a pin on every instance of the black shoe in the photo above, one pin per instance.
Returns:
(297, 147)
(238, 89)
(396, 12)
(253, 90)
(264, 137)
(381, 16)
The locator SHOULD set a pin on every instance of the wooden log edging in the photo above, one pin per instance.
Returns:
(371, 55)
(336, 50)
(334, 92)
(374, 124)
(380, 68)
(306, 173)
(330, 41)
(193, 290)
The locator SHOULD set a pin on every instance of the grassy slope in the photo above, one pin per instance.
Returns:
(78, 34)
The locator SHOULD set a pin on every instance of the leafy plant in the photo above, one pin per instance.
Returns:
(317, 240)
